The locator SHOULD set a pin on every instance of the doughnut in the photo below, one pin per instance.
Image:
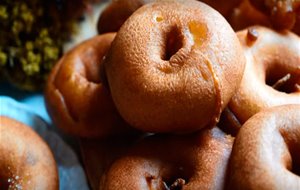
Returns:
(118, 11)
(272, 73)
(76, 97)
(246, 15)
(282, 14)
(265, 153)
(197, 161)
(26, 162)
(171, 68)
(99, 154)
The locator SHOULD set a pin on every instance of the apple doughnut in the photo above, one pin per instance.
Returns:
(171, 67)
(266, 151)
(197, 161)
(272, 73)
(26, 162)
(76, 98)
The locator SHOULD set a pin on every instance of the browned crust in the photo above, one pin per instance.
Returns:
(270, 57)
(186, 91)
(75, 96)
(266, 153)
(25, 159)
(197, 161)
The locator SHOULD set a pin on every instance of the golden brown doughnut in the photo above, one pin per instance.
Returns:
(75, 96)
(282, 13)
(266, 151)
(171, 68)
(272, 73)
(197, 161)
(26, 162)
(246, 15)
(99, 154)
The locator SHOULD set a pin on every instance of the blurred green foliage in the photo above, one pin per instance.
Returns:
(32, 33)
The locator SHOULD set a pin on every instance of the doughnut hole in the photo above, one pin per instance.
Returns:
(155, 163)
(295, 163)
(173, 43)
(8, 182)
(266, 150)
(168, 70)
(293, 148)
(273, 63)
(177, 178)
(103, 77)
(174, 178)
(4, 184)
(93, 73)
(282, 78)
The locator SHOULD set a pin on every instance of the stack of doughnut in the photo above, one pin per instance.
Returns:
(212, 107)
(26, 162)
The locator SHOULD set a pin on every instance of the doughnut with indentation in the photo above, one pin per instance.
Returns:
(272, 73)
(173, 67)
(196, 161)
(265, 153)
(76, 97)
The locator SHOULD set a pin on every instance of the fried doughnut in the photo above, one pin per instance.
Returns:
(99, 154)
(246, 15)
(116, 13)
(171, 68)
(272, 73)
(282, 13)
(266, 151)
(26, 162)
(75, 96)
(197, 161)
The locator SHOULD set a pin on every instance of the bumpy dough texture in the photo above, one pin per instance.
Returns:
(76, 98)
(273, 59)
(173, 66)
(197, 161)
(26, 162)
(266, 151)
